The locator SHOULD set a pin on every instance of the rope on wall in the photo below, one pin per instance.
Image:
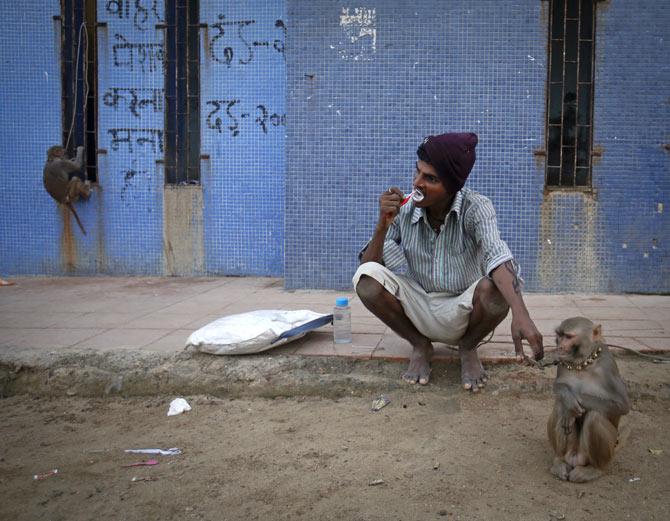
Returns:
(82, 30)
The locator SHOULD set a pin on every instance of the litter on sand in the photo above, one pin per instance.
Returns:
(632, 480)
(163, 452)
(380, 403)
(178, 406)
(376, 482)
(656, 452)
(147, 463)
(45, 475)
(149, 478)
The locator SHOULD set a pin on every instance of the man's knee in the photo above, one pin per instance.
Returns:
(488, 297)
(368, 289)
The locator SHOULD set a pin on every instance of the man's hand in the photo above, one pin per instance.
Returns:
(389, 206)
(524, 328)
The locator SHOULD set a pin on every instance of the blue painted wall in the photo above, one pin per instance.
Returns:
(310, 108)
(243, 82)
(130, 197)
(367, 84)
(31, 122)
(632, 122)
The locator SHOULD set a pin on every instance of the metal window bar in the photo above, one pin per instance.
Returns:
(79, 80)
(570, 93)
(182, 92)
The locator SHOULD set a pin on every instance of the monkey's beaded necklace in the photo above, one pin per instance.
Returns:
(582, 365)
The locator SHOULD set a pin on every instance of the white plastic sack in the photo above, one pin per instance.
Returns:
(255, 331)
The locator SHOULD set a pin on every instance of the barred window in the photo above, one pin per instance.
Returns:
(182, 92)
(570, 94)
(78, 79)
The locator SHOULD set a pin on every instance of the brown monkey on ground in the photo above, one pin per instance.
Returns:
(590, 398)
(61, 179)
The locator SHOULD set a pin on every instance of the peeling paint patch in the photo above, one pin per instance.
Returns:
(183, 245)
(571, 254)
(359, 25)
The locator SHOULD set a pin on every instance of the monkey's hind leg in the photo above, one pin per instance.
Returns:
(596, 445)
(560, 469)
(77, 188)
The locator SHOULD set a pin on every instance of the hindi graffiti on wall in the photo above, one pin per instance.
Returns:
(134, 91)
(135, 99)
(144, 13)
(149, 57)
(133, 138)
(231, 45)
(230, 116)
(237, 42)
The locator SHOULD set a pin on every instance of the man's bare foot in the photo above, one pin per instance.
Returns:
(419, 364)
(473, 376)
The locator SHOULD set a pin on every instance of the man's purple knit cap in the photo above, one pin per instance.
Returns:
(452, 155)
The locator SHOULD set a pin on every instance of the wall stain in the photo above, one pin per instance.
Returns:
(168, 252)
(101, 260)
(596, 154)
(540, 157)
(68, 249)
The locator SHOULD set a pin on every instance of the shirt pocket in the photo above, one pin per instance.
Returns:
(456, 261)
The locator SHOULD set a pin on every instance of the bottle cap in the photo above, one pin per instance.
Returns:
(342, 301)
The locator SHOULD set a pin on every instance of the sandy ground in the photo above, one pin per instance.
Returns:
(435, 454)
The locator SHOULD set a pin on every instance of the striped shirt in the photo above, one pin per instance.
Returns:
(467, 248)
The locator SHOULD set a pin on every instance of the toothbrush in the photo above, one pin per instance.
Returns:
(415, 195)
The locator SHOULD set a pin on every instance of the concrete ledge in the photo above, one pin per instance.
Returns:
(98, 374)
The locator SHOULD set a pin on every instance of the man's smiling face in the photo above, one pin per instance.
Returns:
(428, 182)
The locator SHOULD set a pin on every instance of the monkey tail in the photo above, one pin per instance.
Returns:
(74, 212)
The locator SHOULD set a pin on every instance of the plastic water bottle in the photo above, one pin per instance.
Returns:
(342, 321)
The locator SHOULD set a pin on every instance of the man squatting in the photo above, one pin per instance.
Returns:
(438, 271)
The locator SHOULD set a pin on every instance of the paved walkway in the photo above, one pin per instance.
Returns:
(154, 314)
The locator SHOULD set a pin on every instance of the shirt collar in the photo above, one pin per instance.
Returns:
(456, 206)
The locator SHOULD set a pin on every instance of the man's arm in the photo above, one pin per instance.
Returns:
(507, 281)
(482, 222)
(375, 249)
(389, 206)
